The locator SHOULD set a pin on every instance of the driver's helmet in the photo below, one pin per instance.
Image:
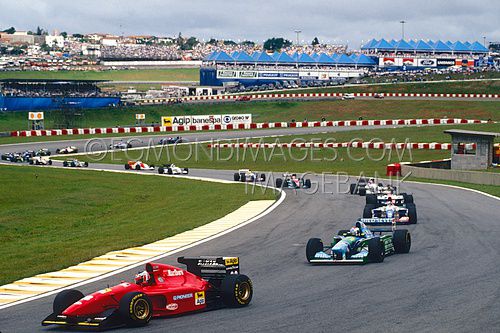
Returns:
(355, 231)
(294, 176)
(142, 278)
(371, 181)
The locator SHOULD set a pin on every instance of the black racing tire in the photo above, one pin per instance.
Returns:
(401, 239)
(376, 251)
(236, 177)
(66, 298)
(32, 162)
(138, 167)
(367, 211)
(236, 290)
(127, 166)
(161, 170)
(86, 164)
(353, 189)
(408, 198)
(362, 191)
(263, 177)
(314, 245)
(412, 213)
(279, 182)
(342, 232)
(243, 177)
(65, 164)
(58, 150)
(48, 153)
(50, 162)
(371, 199)
(136, 309)
(169, 171)
(129, 145)
(380, 184)
(307, 183)
(186, 170)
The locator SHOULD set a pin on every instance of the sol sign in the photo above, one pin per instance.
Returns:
(140, 116)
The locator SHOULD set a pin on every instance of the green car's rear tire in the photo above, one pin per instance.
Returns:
(279, 183)
(314, 245)
(401, 240)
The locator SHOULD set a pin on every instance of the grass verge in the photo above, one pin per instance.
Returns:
(52, 218)
(490, 189)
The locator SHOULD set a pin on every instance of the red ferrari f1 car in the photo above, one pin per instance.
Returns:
(161, 290)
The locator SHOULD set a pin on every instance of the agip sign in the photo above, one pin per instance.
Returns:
(228, 119)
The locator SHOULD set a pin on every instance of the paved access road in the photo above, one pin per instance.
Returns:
(448, 282)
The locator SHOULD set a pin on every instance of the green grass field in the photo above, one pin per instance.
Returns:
(277, 111)
(464, 87)
(352, 161)
(51, 218)
(167, 74)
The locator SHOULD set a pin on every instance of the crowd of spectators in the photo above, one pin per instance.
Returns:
(33, 90)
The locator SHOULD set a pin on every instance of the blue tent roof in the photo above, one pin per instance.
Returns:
(323, 58)
(223, 56)
(234, 54)
(468, 44)
(364, 60)
(412, 43)
(382, 45)
(305, 58)
(275, 55)
(393, 42)
(211, 56)
(344, 59)
(460, 47)
(403, 45)
(295, 56)
(335, 57)
(285, 58)
(449, 43)
(244, 57)
(440, 46)
(255, 55)
(423, 46)
(370, 44)
(431, 42)
(314, 56)
(264, 57)
(478, 47)
(354, 57)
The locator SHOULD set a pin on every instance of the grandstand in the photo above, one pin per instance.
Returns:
(32, 94)
(420, 54)
(260, 68)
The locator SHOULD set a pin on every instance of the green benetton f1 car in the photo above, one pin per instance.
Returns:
(359, 245)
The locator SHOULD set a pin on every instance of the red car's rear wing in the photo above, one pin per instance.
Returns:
(211, 267)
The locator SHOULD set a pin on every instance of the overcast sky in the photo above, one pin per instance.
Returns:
(329, 20)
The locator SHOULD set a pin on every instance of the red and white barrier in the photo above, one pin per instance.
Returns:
(222, 127)
(351, 144)
(316, 95)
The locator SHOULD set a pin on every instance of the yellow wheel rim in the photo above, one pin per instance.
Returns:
(141, 309)
(244, 291)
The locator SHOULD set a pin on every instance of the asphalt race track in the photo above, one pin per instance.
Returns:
(448, 281)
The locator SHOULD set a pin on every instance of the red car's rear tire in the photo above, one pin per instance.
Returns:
(236, 290)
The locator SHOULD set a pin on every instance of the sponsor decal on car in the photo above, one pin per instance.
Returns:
(231, 261)
(183, 296)
(172, 306)
(199, 298)
(210, 263)
(174, 272)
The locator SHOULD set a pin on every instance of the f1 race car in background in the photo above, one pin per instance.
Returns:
(170, 141)
(172, 169)
(138, 165)
(40, 160)
(364, 187)
(246, 175)
(359, 245)
(161, 290)
(390, 214)
(42, 152)
(120, 145)
(67, 150)
(378, 200)
(13, 157)
(292, 181)
(74, 163)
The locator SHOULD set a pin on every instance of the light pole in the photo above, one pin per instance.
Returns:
(484, 41)
(298, 34)
(402, 28)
